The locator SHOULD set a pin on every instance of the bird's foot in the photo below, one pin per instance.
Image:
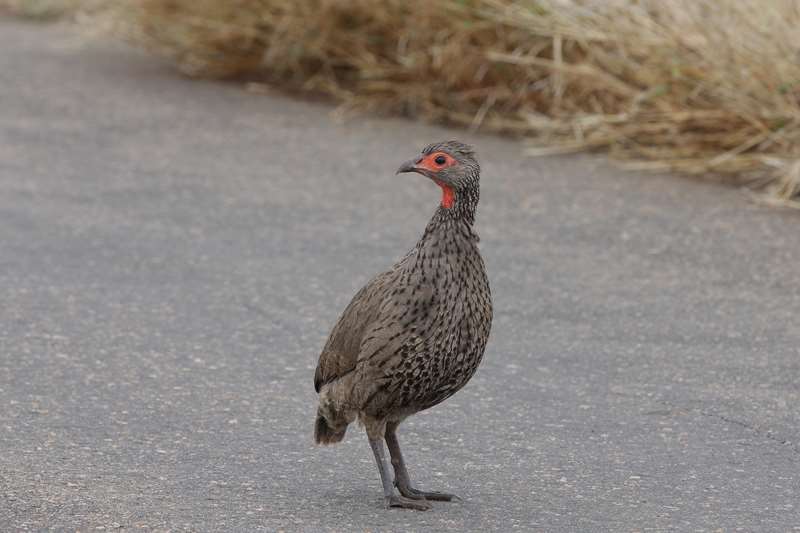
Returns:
(415, 494)
(406, 503)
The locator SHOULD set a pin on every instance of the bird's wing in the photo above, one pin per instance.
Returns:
(400, 326)
(340, 354)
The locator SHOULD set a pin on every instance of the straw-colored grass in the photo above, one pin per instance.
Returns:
(43, 9)
(706, 87)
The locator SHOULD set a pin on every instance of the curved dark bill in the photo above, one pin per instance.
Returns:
(408, 166)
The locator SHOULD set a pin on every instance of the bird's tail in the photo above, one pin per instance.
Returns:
(324, 433)
(332, 418)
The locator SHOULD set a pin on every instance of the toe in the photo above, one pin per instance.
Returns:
(415, 494)
(411, 494)
(407, 503)
(439, 496)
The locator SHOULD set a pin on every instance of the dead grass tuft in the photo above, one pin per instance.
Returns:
(47, 9)
(706, 87)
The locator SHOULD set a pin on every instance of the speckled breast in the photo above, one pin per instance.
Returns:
(445, 355)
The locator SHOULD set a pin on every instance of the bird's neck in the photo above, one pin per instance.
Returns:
(457, 205)
(454, 222)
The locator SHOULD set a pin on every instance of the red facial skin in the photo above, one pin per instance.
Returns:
(429, 164)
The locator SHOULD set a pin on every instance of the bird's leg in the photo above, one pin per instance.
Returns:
(401, 478)
(391, 498)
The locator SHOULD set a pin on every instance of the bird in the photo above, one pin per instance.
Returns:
(415, 334)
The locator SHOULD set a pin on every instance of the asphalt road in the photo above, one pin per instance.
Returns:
(173, 254)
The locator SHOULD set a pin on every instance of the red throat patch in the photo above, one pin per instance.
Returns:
(448, 195)
(433, 166)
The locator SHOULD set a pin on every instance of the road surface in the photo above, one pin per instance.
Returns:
(173, 254)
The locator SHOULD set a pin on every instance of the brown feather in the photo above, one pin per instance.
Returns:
(414, 335)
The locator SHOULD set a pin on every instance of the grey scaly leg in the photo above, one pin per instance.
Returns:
(392, 499)
(401, 478)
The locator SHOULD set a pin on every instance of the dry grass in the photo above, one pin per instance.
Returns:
(706, 87)
(42, 9)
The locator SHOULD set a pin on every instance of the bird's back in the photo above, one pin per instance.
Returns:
(340, 353)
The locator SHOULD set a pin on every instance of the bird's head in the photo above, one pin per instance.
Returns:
(452, 166)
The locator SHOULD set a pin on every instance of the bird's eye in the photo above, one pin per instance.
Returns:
(440, 160)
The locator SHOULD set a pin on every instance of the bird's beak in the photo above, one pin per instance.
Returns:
(409, 166)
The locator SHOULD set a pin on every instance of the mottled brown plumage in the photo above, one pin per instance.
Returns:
(414, 335)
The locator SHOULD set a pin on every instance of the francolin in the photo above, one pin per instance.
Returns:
(415, 334)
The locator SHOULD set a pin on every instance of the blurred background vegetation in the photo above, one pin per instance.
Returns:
(704, 87)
